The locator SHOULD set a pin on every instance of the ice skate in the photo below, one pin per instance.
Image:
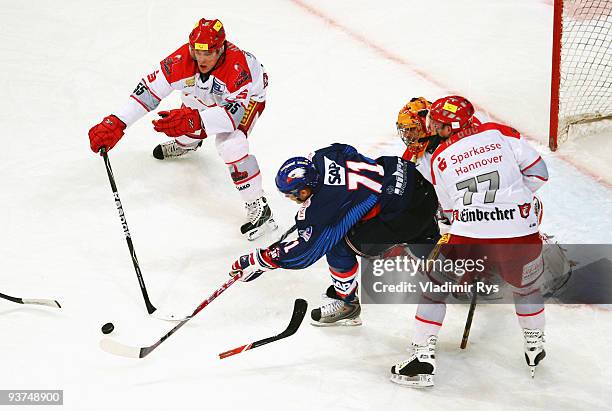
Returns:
(260, 219)
(534, 348)
(171, 149)
(419, 369)
(335, 311)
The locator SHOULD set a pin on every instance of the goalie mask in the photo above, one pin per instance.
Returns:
(411, 123)
(417, 104)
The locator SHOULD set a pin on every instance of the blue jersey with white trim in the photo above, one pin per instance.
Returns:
(351, 185)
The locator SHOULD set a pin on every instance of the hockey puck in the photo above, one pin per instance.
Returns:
(108, 328)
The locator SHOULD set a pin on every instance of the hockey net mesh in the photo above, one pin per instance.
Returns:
(585, 91)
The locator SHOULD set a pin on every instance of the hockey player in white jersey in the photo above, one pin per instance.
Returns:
(485, 176)
(223, 90)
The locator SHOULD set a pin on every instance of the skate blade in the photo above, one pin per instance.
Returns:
(268, 226)
(353, 322)
(418, 381)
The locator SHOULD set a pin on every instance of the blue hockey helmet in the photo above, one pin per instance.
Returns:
(295, 174)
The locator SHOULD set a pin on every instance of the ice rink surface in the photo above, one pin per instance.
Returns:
(339, 72)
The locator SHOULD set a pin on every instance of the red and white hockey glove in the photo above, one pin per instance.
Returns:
(178, 122)
(106, 134)
(253, 264)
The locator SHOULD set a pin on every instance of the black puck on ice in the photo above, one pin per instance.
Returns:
(108, 328)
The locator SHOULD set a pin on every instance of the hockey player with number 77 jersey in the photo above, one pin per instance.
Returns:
(485, 176)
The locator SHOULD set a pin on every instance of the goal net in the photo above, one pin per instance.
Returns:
(581, 89)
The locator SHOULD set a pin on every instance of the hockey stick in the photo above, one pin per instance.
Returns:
(172, 317)
(299, 311)
(116, 348)
(470, 316)
(126, 231)
(35, 301)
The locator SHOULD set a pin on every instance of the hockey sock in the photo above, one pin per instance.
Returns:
(345, 282)
(247, 177)
(530, 310)
(428, 320)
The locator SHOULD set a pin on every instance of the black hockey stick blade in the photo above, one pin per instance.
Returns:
(33, 301)
(299, 311)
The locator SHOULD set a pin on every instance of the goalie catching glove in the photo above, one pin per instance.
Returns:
(178, 122)
(253, 265)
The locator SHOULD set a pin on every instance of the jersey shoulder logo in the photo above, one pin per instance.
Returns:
(335, 174)
(177, 66)
(242, 76)
(166, 66)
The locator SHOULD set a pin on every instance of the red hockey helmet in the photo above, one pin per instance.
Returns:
(207, 35)
(455, 111)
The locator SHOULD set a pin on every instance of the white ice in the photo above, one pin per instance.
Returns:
(339, 72)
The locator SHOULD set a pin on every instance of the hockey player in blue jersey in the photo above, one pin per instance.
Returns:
(337, 188)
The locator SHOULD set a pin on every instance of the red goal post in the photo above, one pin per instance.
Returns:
(581, 81)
